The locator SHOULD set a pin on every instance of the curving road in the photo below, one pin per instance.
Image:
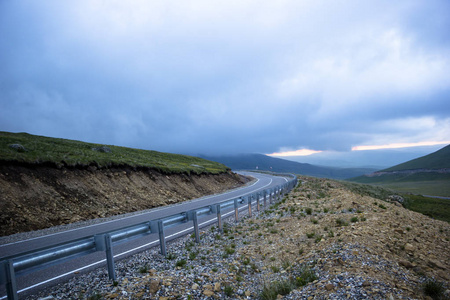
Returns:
(28, 284)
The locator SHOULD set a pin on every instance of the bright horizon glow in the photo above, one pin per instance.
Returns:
(398, 145)
(300, 152)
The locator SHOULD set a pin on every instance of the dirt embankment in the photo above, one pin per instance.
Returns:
(38, 197)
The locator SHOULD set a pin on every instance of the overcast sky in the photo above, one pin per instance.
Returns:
(221, 77)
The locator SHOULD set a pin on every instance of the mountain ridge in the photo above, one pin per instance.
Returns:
(263, 162)
(437, 160)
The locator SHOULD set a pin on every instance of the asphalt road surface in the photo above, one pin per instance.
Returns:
(30, 283)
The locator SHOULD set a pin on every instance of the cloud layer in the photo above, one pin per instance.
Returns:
(228, 76)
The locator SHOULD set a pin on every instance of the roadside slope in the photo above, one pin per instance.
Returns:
(42, 197)
(46, 182)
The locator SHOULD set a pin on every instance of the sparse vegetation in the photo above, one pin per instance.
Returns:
(275, 269)
(193, 255)
(171, 256)
(181, 263)
(229, 250)
(340, 222)
(284, 287)
(94, 296)
(434, 289)
(228, 290)
(143, 269)
(382, 206)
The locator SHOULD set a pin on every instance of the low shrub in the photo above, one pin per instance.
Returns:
(340, 222)
(434, 289)
(181, 263)
(284, 287)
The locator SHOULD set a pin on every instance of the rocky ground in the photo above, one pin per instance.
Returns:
(38, 197)
(322, 241)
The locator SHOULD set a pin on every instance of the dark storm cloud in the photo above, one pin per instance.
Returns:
(226, 77)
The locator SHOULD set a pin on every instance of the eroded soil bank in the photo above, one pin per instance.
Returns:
(38, 197)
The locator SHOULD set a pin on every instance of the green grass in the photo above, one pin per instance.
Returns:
(69, 153)
(181, 263)
(433, 207)
(434, 188)
(368, 190)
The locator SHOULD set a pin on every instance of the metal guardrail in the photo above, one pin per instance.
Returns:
(25, 263)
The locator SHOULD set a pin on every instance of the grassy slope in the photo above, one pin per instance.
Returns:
(436, 208)
(436, 188)
(436, 160)
(432, 207)
(436, 184)
(59, 152)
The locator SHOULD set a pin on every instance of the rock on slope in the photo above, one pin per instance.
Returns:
(357, 246)
(39, 197)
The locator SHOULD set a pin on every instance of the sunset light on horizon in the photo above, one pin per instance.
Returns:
(301, 152)
(399, 145)
(306, 152)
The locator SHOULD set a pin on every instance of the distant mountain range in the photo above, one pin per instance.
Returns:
(431, 167)
(266, 163)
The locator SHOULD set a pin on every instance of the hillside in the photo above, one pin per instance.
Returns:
(428, 175)
(323, 241)
(27, 149)
(436, 160)
(267, 163)
(46, 182)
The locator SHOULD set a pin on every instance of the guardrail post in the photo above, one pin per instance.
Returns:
(219, 219)
(249, 203)
(271, 196)
(265, 198)
(110, 257)
(196, 231)
(257, 201)
(162, 237)
(236, 210)
(11, 285)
